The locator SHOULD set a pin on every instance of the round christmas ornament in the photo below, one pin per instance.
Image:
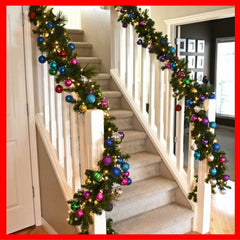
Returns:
(212, 125)
(194, 118)
(121, 134)
(222, 159)
(32, 15)
(72, 46)
(168, 65)
(84, 79)
(40, 40)
(201, 97)
(62, 53)
(118, 192)
(139, 42)
(58, 89)
(86, 194)
(194, 90)
(205, 120)
(124, 181)
(73, 61)
(79, 213)
(108, 142)
(130, 15)
(197, 109)
(216, 146)
(42, 59)
(189, 102)
(173, 65)
(88, 181)
(53, 65)
(150, 47)
(115, 136)
(82, 108)
(178, 107)
(90, 98)
(124, 25)
(211, 96)
(52, 71)
(126, 174)
(104, 102)
(99, 197)
(142, 23)
(129, 181)
(62, 70)
(210, 158)
(186, 81)
(75, 206)
(118, 141)
(119, 160)
(107, 160)
(194, 147)
(213, 182)
(161, 58)
(204, 142)
(110, 207)
(125, 166)
(122, 10)
(115, 172)
(68, 82)
(225, 177)
(97, 176)
(69, 98)
(197, 155)
(213, 171)
(181, 74)
(172, 50)
(50, 25)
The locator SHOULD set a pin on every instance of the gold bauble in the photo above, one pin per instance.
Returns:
(194, 90)
(174, 95)
(118, 8)
(88, 181)
(83, 108)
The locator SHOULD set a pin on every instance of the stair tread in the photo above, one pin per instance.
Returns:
(120, 113)
(131, 135)
(89, 59)
(142, 159)
(154, 221)
(111, 94)
(82, 44)
(75, 31)
(101, 76)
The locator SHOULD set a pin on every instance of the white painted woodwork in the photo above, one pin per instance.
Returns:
(20, 208)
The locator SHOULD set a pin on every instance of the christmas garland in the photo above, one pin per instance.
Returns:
(205, 143)
(97, 194)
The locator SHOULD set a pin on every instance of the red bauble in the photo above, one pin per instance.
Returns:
(59, 89)
(31, 15)
(63, 53)
(178, 107)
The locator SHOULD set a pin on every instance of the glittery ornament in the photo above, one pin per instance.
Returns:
(84, 79)
(69, 98)
(32, 15)
(210, 158)
(118, 192)
(204, 142)
(75, 206)
(104, 102)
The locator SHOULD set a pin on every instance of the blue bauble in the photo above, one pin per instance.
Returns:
(211, 96)
(167, 56)
(69, 98)
(50, 24)
(164, 42)
(42, 59)
(72, 46)
(125, 166)
(119, 160)
(53, 65)
(213, 171)
(130, 15)
(129, 181)
(115, 172)
(40, 39)
(108, 142)
(110, 207)
(216, 146)
(172, 50)
(173, 65)
(197, 155)
(90, 98)
(212, 124)
(189, 102)
(62, 70)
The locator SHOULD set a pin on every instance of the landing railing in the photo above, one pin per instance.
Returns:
(147, 89)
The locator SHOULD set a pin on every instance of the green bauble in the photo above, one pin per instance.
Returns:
(186, 81)
(52, 71)
(119, 141)
(97, 176)
(75, 206)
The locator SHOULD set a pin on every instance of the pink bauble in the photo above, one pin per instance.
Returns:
(104, 102)
(168, 65)
(68, 82)
(180, 74)
(222, 159)
(79, 213)
(126, 173)
(86, 194)
(91, 92)
(150, 47)
(74, 61)
(194, 118)
(124, 181)
(99, 197)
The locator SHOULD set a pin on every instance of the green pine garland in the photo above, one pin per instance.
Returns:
(97, 194)
(205, 142)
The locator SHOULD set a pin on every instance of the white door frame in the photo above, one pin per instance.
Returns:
(31, 115)
(200, 224)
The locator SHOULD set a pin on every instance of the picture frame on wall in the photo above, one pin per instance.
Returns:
(200, 46)
(199, 77)
(182, 57)
(182, 45)
(192, 75)
(191, 45)
(191, 61)
(200, 61)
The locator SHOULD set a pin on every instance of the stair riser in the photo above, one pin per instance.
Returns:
(133, 146)
(124, 123)
(141, 173)
(104, 84)
(140, 205)
(97, 65)
(114, 103)
(83, 51)
(76, 37)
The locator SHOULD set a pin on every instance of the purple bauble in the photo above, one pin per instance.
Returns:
(205, 120)
(107, 160)
(86, 194)
(99, 197)
(142, 23)
(181, 74)
(126, 173)
(201, 97)
(139, 41)
(121, 134)
(162, 58)
(124, 181)
(104, 102)
(68, 82)
(150, 47)
(74, 61)
(225, 177)
(124, 25)
(205, 142)
(79, 213)
(91, 91)
(194, 118)
(110, 208)
(222, 159)
(122, 10)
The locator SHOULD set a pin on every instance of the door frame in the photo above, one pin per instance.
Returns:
(27, 30)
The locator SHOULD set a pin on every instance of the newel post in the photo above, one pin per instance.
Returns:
(203, 207)
(93, 147)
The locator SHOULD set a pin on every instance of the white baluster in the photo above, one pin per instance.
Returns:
(152, 92)
(122, 67)
(135, 69)
(190, 168)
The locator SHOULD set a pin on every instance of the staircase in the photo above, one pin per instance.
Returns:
(153, 203)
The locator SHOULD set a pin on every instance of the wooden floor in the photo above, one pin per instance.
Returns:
(222, 215)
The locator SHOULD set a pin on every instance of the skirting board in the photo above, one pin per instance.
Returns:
(48, 227)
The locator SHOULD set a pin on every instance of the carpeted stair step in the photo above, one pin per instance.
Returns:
(133, 142)
(144, 165)
(93, 61)
(124, 119)
(143, 196)
(103, 79)
(114, 98)
(83, 49)
(75, 35)
(169, 219)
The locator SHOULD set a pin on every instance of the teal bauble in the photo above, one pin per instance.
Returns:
(53, 65)
(213, 171)
(124, 166)
(197, 155)
(90, 98)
